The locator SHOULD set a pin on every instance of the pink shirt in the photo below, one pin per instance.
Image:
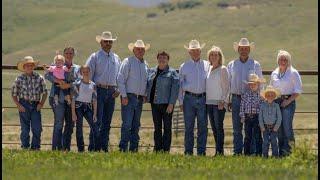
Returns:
(58, 72)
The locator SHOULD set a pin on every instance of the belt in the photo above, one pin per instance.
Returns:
(237, 95)
(269, 126)
(105, 86)
(135, 95)
(196, 95)
(285, 96)
(31, 102)
(250, 115)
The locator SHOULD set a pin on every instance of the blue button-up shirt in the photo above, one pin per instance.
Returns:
(193, 77)
(270, 114)
(104, 67)
(132, 77)
(239, 72)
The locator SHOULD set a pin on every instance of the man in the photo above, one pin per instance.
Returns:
(192, 98)
(104, 66)
(62, 110)
(132, 82)
(239, 71)
(26, 93)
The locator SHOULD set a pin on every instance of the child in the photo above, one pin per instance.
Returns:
(84, 97)
(270, 120)
(249, 111)
(58, 70)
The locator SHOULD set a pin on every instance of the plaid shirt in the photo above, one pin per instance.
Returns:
(29, 87)
(250, 103)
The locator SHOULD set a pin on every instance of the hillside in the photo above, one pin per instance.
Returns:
(40, 27)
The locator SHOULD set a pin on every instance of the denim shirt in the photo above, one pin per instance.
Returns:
(167, 86)
(70, 77)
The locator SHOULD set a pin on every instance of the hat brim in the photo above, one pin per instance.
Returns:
(23, 62)
(236, 46)
(201, 46)
(131, 46)
(260, 80)
(275, 91)
(99, 38)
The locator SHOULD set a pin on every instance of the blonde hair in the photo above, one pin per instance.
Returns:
(84, 67)
(286, 54)
(58, 56)
(216, 49)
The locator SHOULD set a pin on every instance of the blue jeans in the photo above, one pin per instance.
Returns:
(252, 132)
(237, 125)
(270, 136)
(85, 110)
(195, 107)
(105, 111)
(30, 118)
(216, 117)
(285, 133)
(131, 114)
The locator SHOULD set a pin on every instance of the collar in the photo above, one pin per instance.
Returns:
(32, 75)
(249, 58)
(138, 59)
(107, 54)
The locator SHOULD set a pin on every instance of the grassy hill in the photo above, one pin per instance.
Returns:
(40, 27)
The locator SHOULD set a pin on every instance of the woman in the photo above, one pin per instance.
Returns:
(287, 79)
(162, 92)
(217, 89)
(62, 111)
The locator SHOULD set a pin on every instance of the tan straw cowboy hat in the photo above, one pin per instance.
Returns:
(253, 78)
(106, 35)
(139, 43)
(270, 89)
(26, 60)
(194, 44)
(243, 42)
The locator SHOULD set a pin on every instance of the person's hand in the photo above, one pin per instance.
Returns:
(242, 120)
(262, 129)
(116, 94)
(21, 108)
(44, 67)
(74, 117)
(124, 101)
(181, 107)
(63, 85)
(229, 107)
(169, 108)
(274, 130)
(39, 106)
(145, 99)
(285, 103)
(221, 105)
(94, 118)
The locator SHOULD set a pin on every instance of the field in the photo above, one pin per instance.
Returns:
(57, 165)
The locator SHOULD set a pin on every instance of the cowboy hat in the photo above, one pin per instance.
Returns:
(270, 89)
(243, 42)
(194, 44)
(139, 43)
(106, 35)
(253, 78)
(26, 60)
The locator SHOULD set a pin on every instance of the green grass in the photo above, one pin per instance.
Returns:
(19, 164)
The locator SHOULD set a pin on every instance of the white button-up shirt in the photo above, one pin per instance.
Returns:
(289, 83)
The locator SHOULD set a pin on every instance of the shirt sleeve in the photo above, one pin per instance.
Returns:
(74, 90)
(279, 117)
(297, 82)
(225, 85)
(91, 63)
(15, 87)
(94, 93)
(49, 76)
(181, 81)
(122, 77)
(258, 71)
(174, 88)
(43, 89)
(242, 105)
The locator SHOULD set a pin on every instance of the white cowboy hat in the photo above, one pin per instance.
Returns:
(26, 60)
(243, 42)
(139, 43)
(270, 89)
(253, 78)
(106, 35)
(194, 44)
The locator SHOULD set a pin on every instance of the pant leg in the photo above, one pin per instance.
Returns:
(108, 110)
(167, 129)
(127, 113)
(237, 125)
(257, 136)
(189, 115)
(25, 118)
(220, 131)
(266, 143)
(101, 96)
(202, 124)
(212, 115)
(248, 125)
(287, 119)
(93, 139)
(79, 126)
(68, 127)
(157, 121)
(36, 128)
(134, 140)
(58, 111)
(274, 144)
